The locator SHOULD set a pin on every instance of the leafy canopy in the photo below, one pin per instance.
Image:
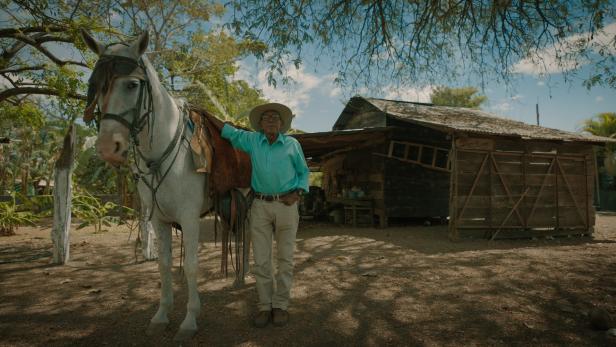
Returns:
(376, 41)
(457, 97)
(603, 124)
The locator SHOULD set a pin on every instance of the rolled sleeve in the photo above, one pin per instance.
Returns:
(239, 138)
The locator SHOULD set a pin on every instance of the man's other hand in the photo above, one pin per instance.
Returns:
(290, 198)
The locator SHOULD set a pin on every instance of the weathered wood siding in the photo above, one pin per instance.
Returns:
(412, 190)
(505, 186)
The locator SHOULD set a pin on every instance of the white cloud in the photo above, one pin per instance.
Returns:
(505, 105)
(517, 97)
(547, 62)
(599, 98)
(335, 92)
(501, 107)
(415, 94)
(298, 93)
(540, 83)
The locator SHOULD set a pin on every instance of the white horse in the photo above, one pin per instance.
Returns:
(138, 113)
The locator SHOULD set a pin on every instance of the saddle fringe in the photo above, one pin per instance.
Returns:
(229, 183)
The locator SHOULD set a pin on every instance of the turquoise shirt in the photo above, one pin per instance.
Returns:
(276, 168)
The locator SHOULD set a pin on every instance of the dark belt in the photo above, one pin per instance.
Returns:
(273, 197)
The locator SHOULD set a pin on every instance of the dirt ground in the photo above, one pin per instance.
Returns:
(375, 287)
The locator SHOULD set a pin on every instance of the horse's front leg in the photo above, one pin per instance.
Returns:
(190, 234)
(160, 319)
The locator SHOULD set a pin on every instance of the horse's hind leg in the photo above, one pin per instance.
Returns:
(160, 319)
(190, 234)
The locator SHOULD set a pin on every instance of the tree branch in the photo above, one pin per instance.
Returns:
(39, 91)
(11, 32)
(9, 53)
(34, 43)
(27, 68)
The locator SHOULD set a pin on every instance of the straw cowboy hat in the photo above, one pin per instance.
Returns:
(285, 115)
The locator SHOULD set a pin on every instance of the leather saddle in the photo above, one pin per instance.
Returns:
(229, 172)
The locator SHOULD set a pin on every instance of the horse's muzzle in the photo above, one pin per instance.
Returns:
(112, 149)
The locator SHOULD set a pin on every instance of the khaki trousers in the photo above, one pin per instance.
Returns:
(269, 220)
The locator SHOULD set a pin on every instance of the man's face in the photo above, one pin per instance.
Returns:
(270, 122)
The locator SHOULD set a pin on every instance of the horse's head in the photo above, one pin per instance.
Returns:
(118, 88)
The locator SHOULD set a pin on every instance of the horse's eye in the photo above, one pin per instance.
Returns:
(133, 84)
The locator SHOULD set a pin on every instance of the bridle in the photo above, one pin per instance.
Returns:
(106, 70)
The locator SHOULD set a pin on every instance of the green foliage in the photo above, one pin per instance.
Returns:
(92, 211)
(11, 217)
(202, 69)
(40, 205)
(316, 179)
(191, 54)
(93, 174)
(457, 97)
(604, 124)
(26, 114)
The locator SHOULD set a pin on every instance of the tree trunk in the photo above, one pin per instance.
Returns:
(62, 196)
(147, 235)
(2, 171)
(24, 180)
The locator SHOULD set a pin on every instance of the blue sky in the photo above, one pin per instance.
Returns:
(317, 102)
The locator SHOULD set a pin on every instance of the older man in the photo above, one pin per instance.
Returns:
(279, 175)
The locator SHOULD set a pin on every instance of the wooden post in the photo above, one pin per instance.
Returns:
(525, 185)
(598, 188)
(490, 196)
(586, 194)
(62, 195)
(557, 164)
(453, 190)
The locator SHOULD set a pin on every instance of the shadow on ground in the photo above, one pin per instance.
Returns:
(353, 287)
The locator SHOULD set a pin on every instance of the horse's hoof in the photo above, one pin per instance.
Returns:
(184, 335)
(155, 329)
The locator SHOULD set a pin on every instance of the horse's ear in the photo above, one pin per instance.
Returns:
(142, 43)
(91, 42)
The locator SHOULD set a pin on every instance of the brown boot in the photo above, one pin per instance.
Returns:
(280, 317)
(262, 318)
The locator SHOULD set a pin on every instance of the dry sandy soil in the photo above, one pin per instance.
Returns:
(375, 287)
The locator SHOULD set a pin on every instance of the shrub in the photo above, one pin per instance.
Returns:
(11, 217)
(92, 211)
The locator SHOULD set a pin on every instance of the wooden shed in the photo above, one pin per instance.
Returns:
(489, 175)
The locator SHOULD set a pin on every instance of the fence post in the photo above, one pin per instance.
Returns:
(62, 195)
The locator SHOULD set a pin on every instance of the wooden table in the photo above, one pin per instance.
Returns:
(354, 206)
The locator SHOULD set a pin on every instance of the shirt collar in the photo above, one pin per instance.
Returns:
(280, 139)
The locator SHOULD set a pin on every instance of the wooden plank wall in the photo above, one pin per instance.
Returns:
(504, 187)
(413, 190)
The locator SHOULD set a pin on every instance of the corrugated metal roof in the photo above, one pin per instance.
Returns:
(473, 121)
